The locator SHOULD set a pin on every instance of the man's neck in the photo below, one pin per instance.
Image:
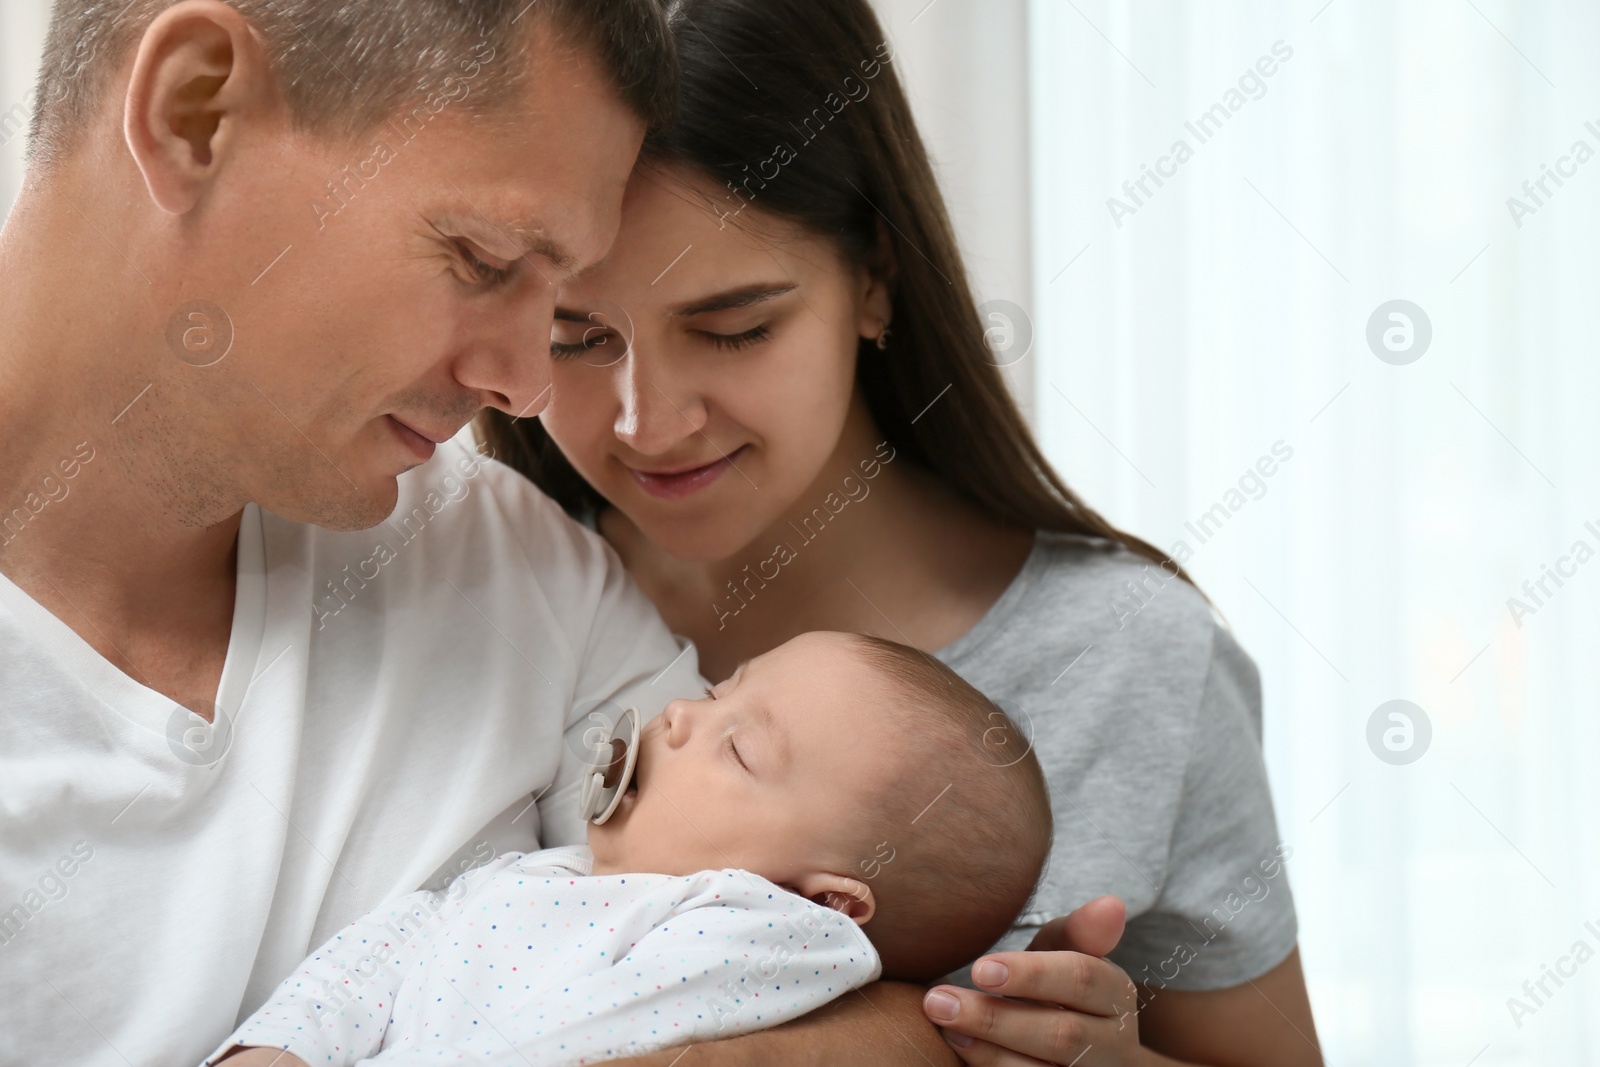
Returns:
(97, 518)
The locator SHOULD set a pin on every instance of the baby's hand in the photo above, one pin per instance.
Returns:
(264, 1057)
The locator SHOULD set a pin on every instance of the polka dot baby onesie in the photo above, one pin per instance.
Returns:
(529, 958)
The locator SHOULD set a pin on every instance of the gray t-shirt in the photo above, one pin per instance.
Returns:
(1146, 717)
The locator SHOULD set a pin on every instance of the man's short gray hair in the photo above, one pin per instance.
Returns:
(347, 65)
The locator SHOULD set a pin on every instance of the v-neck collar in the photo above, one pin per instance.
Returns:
(124, 695)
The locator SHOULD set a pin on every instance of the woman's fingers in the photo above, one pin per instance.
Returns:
(1030, 1032)
(1071, 979)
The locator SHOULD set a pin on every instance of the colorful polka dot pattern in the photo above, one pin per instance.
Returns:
(529, 958)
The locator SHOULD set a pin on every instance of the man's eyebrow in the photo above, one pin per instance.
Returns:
(742, 297)
(528, 236)
(531, 240)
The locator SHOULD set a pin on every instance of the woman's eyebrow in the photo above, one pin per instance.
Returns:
(744, 296)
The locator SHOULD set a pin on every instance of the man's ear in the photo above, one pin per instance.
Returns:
(198, 70)
(842, 894)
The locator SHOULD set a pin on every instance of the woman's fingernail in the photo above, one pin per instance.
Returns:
(990, 972)
(941, 1006)
(959, 1040)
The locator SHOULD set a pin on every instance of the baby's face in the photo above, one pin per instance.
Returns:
(771, 772)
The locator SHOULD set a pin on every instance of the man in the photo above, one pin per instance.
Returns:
(268, 258)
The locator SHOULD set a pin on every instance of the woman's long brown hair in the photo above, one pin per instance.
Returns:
(794, 106)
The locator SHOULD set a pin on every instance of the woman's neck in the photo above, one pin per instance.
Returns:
(875, 545)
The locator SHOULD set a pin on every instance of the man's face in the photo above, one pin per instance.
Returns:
(772, 772)
(381, 293)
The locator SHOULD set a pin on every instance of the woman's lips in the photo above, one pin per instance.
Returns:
(680, 484)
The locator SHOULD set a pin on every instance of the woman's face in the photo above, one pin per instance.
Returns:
(703, 376)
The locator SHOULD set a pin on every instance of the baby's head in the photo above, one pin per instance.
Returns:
(862, 774)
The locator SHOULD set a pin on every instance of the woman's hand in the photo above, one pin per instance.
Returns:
(1084, 1010)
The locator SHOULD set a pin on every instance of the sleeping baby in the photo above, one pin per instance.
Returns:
(839, 809)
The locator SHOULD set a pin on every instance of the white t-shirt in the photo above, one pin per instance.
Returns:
(531, 960)
(392, 701)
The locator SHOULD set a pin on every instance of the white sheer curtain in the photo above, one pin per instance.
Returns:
(1186, 330)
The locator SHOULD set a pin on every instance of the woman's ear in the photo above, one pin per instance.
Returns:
(199, 70)
(876, 279)
(840, 893)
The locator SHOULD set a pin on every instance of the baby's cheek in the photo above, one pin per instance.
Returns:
(724, 838)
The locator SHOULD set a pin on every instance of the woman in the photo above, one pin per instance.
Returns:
(775, 402)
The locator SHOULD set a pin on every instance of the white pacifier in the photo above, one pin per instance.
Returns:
(611, 763)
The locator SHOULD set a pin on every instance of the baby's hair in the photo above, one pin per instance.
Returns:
(968, 821)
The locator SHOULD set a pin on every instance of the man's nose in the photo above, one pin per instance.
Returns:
(508, 361)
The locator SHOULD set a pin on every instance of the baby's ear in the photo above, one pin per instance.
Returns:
(840, 893)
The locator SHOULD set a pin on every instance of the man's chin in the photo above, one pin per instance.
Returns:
(357, 508)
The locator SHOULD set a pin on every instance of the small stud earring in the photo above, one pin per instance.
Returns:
(883, 337)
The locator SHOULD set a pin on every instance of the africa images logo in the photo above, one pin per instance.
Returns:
(1399, 732)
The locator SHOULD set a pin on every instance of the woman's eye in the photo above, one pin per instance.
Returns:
(566, 350)
(569, 340)
(593, 338)
(735, 341)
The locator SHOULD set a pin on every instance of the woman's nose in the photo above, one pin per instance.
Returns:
(655, 411)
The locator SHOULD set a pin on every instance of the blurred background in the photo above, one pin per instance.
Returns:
(1377, 250)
